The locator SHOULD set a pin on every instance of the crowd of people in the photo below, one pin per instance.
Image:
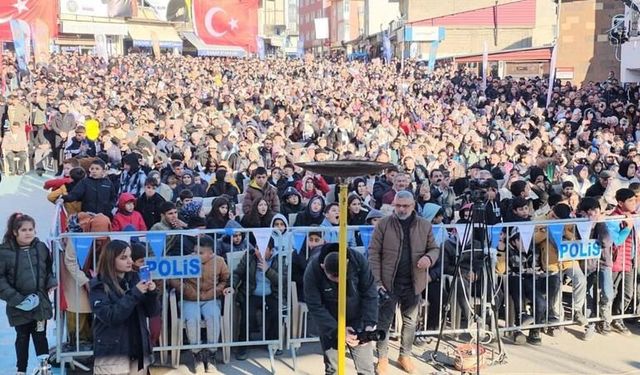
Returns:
(139, 143)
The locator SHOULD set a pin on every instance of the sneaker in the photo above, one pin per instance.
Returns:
(579, 318)
(191, 361)
(554, 331)
(519, 338)
(589, 332)
(278, 352)
(242, 354)
(618, 326)
(603, 328)
(526, 320)
(421, 341)
(534, 337)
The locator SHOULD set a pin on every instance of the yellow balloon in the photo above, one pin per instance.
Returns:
(93, 129)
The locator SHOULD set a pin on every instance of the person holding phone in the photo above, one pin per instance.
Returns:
(121, 304)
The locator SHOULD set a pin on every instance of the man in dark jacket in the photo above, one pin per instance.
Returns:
(148, 204)
(383, 185)
(321, 296)
(96, 192)
(598, 189)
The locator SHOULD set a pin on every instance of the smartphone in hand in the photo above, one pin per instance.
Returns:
(145, 274)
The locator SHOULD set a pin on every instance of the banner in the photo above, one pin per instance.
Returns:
(155, 44)
(120, 8)
(365, 236)
(41, 42)
(555, 232)
(386, 48)
(260, 44)
(28, 11)
(495, 236)
(300, 51)
(437, 233)
(552, 73)
(21, 42)
(321, 28)
(526, 234)
(101, 48)
(82, 246)
(227, 22)
(432, 54)
(93, 8)
(584, 229)
(156, 241)
(177, 10)
(485, 66)
(298, 241)
(461, 232)
(160, 7)
(262, 235)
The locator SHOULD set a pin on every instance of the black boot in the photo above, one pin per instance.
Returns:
(534, 337)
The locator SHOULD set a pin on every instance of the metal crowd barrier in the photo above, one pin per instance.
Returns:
(292, 321)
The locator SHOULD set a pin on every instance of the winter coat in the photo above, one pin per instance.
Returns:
(623, 244)
(217, 189)
(619, 182)
(321, 295)
(73, 281)
(224, 245)
(96, 194)
(127, 221)
(600, 233)
(149, 208)
(196, 189)
(380, 188)
(16, 142)
(213, 280)
(254, 192)
(23, 272)
(62, 123)
(246, 272)
(71, 207)
(385, 248)
(548, 249)
(113, 314)
(132, 182)
(307, 219)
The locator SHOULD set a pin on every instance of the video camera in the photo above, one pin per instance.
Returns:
(367, 336)
(476, 191)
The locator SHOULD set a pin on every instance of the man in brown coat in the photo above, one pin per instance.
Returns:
(401, 251)
(260, 188)
(14, 145)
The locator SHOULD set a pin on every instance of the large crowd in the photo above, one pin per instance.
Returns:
(138, 142)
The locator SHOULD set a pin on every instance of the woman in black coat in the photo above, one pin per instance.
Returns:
(121, 304)
(313, 214)
(219, 215)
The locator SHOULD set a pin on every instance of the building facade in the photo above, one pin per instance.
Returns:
(630, 51)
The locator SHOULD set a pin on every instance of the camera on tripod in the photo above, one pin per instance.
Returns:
(476, 191)
(367, 336)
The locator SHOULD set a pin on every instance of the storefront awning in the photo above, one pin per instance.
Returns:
(143, 36)
(93, 28)
(211, 50)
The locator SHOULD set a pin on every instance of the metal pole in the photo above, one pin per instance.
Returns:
(342, 280)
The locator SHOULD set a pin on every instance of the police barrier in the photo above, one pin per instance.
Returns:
(529, 262)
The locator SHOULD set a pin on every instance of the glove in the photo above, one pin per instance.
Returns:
(29, 303)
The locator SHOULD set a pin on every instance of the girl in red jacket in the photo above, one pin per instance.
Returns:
(127, 218)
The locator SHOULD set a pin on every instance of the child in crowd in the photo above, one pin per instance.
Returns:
(127, 218)
(148, 204)
(96, 192)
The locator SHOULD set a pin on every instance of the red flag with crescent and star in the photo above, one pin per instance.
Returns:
(227, 22)
(29, 11)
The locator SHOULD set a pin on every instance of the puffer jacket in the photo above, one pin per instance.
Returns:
(254, 192)
(213, 280)
(548, 248)
(113, 315)
(623, 244)
(23, 272)
(127, 221)
(386, 244)
(96, 194)
(247, 273)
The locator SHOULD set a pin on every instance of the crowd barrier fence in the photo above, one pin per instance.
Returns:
(528, 295)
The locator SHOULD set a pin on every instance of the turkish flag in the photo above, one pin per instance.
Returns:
(29, 11)
(227, 22)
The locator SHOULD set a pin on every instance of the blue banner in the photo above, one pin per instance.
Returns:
(386, 47)
(260, 44)
(432, 54)
(365, 236)
(437, 233)
(495, 236)
(82, 246)
(21, 38)
(156, 241)
(555, 232)
(298, 241)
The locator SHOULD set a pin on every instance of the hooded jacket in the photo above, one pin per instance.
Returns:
(127, 221)
(224, 244)
(132, 181)
(282, 241)
(255, 192)
(214, 219)
(321, 295)
(287, 208)
(619, 182)
(244, 276)
(307, 218)
(23, 272)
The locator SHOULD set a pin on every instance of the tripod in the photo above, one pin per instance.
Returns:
(477, 224)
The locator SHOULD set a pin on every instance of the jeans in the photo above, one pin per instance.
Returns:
(209, 311)
(409, 304)
(623, 296)
(534, 288)
(579, 285)
(600, 293)
(270, 326)
(23, 333)
(362, 359)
